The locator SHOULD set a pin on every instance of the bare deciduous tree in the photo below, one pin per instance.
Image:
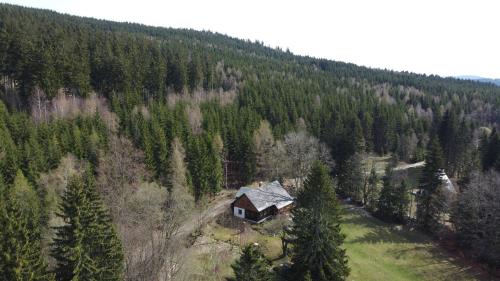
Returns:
(301, 151)
(120, 172)
(145, 214)
(408, 147)
(181, 200)
(476, 217)
(195, 118)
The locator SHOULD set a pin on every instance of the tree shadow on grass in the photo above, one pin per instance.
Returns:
(381, 232)
(388, 235)
(451, 268)
(454, 267)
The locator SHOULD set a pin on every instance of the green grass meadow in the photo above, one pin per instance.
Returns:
(376, 250)
(380, 251)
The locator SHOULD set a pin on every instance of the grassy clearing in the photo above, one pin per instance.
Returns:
(376, 250)
(380, 251)
(379, 162)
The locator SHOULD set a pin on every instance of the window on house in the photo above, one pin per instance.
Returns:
(240, 211)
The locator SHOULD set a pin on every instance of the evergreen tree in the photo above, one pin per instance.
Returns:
(252, 265)
(215, 157)
(316, 230)
(21, 256)
(160, 148)
(8, 155)
(177, 72)
(351, 177)
(34, 160)
(430, 198)
(74, 261)
(371, 190)
(54, 152)
(490, 150)
(403, 200)
(105, 245)
(26, 197)
(393, 201)
(87, 247)
(195, 73)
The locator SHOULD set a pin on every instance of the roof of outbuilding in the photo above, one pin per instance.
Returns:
(266, 196)
(448, 185)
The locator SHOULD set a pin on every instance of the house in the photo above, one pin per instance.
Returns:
(257, 204)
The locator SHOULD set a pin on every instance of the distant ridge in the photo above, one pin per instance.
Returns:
(480, 79)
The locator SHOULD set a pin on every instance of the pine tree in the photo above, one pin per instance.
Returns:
(371, 192)
(393, 201)
(21, 256)
(403, 201)
(74, 261)
(87, 247)
(490, 150)
(252, 265)
(8, 155)
(34, 160)
(351, 178)
(160, 148)
(316, 230)
(430, 198)
(195, 73)
(77, 141)
(105, 246)
(26, 197)
(215, 157)
(54, 152)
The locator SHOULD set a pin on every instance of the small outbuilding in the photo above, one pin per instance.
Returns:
(449, 189)
(258, 204)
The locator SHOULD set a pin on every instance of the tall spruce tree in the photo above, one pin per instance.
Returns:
(430, 198)
(86, 247)
(252, 265)
(8, 154)
(371, 191)
(317, 243)
(351, 177)
(216, 175)
(393, 201)
(21, 256)
(106, 248)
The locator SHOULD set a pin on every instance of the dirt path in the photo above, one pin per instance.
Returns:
(408, 166)
(218, 206)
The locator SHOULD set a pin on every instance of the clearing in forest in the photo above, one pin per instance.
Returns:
(376, 250)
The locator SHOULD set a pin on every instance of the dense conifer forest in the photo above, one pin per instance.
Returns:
(183, 114)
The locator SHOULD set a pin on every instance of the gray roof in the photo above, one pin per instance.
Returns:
(242, 191)
(447, 184)
(266, 196)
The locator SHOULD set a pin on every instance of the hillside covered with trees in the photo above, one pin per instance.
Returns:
(111, 132)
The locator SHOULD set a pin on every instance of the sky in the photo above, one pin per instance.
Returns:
(448, 38)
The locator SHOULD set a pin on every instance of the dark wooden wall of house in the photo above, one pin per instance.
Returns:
(244, 203)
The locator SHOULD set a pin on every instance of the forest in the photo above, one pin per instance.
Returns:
(111, 134)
